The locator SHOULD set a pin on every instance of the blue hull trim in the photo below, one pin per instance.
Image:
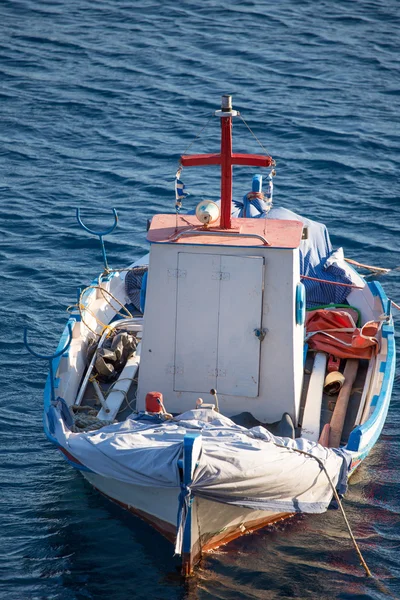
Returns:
(363, 438)
(47, 389)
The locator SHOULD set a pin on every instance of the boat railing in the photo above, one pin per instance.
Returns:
(219, 234)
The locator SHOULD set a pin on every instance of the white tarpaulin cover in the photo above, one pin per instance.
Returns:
(235, 465)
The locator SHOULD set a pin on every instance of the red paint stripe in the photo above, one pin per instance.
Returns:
(70, 457)
(199, 160)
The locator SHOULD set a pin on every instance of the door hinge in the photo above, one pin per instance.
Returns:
(173, 370)
(217, 373)
(221, 275)
(177, 273)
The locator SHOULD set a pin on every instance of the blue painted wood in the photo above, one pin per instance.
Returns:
(61, 351)
(143, 292)
(305, 350)
(256, 185)
(363, 438)
(47, 395)
(189, 465)
(300, 304)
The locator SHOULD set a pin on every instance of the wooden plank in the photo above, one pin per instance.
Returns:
(366, 389)
(324, 437)
(339, 414)
(312, 410)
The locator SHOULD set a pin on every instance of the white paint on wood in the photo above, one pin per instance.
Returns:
(366, 303)
(213, 521)
(210, 517)
(376, 381)
(218, 308)
(197, 323)
(366, 389)
(159, 502)
(312, 411)
(240, 306)
(281, 352)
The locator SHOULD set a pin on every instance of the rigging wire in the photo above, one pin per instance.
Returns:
(197, 136)
(254, 135)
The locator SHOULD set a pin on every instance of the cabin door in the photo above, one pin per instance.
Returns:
(219, 307)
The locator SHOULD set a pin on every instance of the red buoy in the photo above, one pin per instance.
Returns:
(154, 402)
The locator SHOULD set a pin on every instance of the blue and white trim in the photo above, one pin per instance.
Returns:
(363, 437)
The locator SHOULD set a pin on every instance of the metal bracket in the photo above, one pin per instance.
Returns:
(260, 333)
(100, 234)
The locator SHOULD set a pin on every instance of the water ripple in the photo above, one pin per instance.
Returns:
(98, 101)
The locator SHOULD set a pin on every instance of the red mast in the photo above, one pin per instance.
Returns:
(226, 158)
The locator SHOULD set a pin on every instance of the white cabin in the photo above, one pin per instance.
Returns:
(221, 313)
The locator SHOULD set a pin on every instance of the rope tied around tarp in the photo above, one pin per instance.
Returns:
(255, 195)
(186, 496)
(185, 500)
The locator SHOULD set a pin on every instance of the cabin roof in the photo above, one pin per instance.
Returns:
(278, 233)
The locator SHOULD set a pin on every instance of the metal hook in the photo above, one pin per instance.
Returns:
(49, 357)
(100, 234)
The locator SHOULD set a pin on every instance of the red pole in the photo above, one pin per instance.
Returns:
(226, 172)
(226, 159)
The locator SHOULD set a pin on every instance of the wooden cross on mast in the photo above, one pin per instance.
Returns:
(226, 158)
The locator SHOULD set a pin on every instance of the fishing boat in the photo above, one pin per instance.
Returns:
(234, 376)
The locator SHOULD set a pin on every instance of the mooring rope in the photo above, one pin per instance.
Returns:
(336, 495)
(368, 267)
(350, 285)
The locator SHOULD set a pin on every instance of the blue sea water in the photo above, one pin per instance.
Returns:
(98, 100)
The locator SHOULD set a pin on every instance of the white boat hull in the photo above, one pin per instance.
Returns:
(212, 524)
